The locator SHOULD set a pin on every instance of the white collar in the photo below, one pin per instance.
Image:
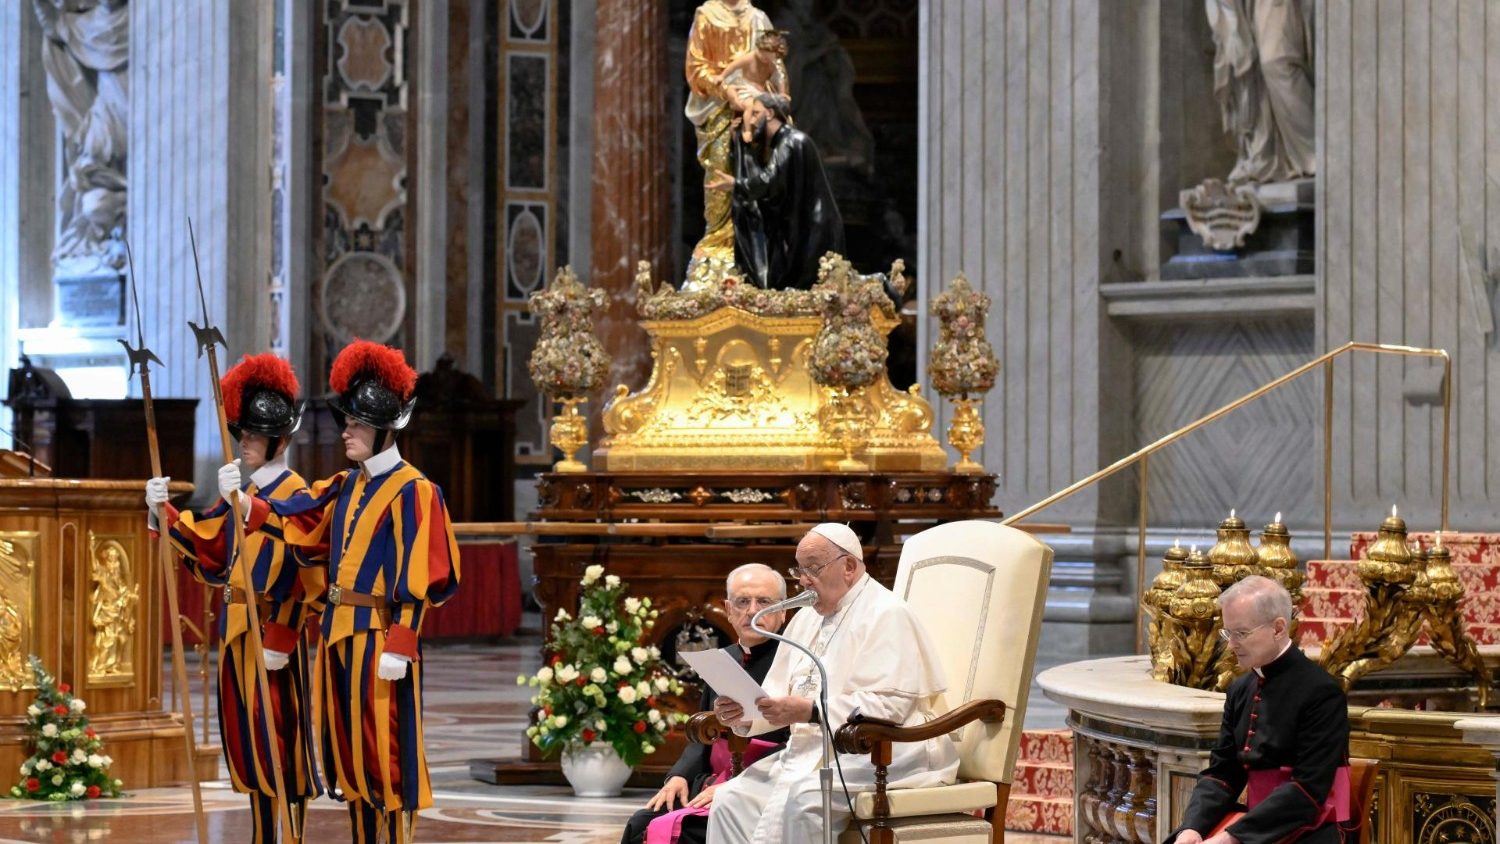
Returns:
(382, 462)
(267, 474)
(849, 596)
(1282, 653)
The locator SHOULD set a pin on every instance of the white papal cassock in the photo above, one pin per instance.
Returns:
(881, 661)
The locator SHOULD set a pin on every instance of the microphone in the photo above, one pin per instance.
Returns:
(805, 598)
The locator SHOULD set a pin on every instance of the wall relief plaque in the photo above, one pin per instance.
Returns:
(18, 551)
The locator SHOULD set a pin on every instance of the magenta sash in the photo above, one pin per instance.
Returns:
(666, 828)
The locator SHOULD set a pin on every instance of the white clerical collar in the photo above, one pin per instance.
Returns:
(849, 596)
(382, 462)
(267, 474)
(1279, 655)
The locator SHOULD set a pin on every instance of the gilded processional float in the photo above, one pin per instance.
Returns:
(768, 408)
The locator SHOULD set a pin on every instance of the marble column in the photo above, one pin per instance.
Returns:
(199, 130)
(430, 192)
(25, 149)
(631, 172)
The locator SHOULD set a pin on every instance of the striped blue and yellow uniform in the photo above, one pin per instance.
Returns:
(291, 589)
(388, 538)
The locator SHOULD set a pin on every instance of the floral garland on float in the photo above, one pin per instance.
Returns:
(598, 697)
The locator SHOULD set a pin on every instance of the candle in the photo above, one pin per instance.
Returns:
(1277, 520)
(1393, 511)
(1177, 544)
(1231, 512)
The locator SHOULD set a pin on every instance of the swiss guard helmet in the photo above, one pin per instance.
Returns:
(260, 397)
(372, 384)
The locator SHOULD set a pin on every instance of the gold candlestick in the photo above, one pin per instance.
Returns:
(1278, 561)
(1445, 623)
(1197, 646)
(1155, 602)
(1232, 556)
(1396, 588)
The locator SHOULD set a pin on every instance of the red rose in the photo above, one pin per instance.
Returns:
(546, 710)
(651, 701)
(598, 631)
(60, 709)
(587, 735)
(64, 688)
(92, 792)
(60, 758)
(557, 659)
(32, 783)
(581, 681)
(89, 731)
(640, 727)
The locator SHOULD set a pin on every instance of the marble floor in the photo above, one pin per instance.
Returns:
(473, 709)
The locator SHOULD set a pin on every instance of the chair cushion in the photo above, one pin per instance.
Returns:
(949, 829)
(937, 800)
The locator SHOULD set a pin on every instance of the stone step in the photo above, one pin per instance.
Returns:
(1040, 815)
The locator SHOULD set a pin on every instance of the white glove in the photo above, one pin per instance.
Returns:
(156, 493)
(229, 480)
(392, 667)
(275, 660)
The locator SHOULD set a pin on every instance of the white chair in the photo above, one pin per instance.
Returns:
(979, 588)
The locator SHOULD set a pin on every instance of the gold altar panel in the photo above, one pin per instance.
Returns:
(18, 608)
(73, 522)
(113, 610)
(731, 390)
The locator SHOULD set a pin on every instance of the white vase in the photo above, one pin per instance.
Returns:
(595, 770)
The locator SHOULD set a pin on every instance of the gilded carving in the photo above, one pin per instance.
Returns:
(18, 551)
(113, 602)
(731, 389)
(1443, 818)
(655, 496)
(747, 495)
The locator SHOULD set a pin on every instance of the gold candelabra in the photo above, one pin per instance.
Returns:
(1232, 557)
(1444, 621)
(1155, 602)
(1196, 646)
(1395, 589)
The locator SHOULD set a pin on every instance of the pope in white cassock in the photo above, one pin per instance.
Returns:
(879, 660)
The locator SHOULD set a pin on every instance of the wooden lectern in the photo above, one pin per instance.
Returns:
(80, 588)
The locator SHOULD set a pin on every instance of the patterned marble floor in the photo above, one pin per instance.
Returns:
(473, 709)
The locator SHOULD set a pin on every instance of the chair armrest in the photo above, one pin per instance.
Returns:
(704, 728)
(861, 734)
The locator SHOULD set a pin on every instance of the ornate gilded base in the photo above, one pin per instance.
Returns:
(730, 390)
(966, 433)
(570, 432)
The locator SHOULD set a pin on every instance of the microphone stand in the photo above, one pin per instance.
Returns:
(825, 773)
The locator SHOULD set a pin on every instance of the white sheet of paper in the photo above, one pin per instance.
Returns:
(726, 676)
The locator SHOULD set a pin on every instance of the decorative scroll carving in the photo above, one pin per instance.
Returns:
(113, 602)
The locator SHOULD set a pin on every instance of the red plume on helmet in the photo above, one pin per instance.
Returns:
(260, 397)
(373, 384)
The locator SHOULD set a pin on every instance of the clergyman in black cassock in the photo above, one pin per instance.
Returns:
(693, 765)
(1288, 713)
(785, 217)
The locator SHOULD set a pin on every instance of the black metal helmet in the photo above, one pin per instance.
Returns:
(372, 384)
(260, 396)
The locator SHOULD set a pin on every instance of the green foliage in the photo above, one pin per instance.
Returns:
(67, 760)
(601, 683)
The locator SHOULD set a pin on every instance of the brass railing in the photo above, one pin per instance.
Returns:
(1142, 456)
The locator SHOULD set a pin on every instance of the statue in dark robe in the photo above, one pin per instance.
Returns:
(785, 217)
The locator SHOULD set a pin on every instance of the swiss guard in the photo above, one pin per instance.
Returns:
(391, 555)
(261, 407)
